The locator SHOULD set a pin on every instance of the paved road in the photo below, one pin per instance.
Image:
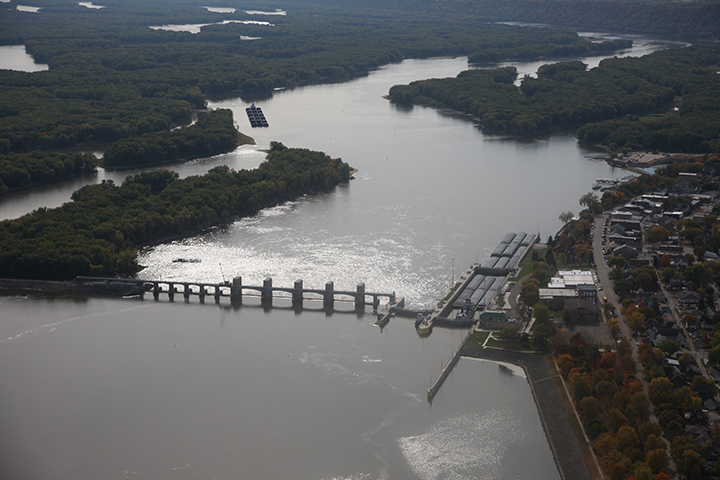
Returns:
(604, 275)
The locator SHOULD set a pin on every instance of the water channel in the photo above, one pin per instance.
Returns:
(97, 388)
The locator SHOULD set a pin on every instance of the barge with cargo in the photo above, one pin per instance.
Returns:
(256, 116)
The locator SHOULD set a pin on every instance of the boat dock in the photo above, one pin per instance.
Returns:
(235, 290)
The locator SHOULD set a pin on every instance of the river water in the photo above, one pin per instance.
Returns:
(97, 388)
(14, 57)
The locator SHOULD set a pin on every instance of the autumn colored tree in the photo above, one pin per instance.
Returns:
(642, 471)
(635, 321)
(665, 261)
(646, 429)
(690, 464)
(660, 391)
(564, 242)
(657, 460)
(580, 386)
(565, 363)
(657, 234)
(690, 319)
(627, 438)
(589, 409)
(645, 353)
(654, 442)
(605, 444)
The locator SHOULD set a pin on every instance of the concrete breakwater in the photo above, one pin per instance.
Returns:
(446, 370)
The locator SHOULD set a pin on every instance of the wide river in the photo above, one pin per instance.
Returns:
(97, 388)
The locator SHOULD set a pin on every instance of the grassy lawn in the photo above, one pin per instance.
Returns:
(477, 339)
(527, 263)
(516, 346)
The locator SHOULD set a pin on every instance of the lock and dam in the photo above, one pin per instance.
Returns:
(475, 291)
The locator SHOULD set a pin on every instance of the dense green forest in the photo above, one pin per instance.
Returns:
(616, 94)
(96, 233)
(213, 133)
(692, 20)
(26, 169)
(692, 74)
(113, 78)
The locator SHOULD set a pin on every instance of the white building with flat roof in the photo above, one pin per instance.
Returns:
(571, 279)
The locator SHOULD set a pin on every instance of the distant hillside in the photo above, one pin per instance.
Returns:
(694, 20)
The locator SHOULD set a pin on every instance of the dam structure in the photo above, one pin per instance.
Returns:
(236, 290)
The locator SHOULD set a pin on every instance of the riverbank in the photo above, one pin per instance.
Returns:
(51, 287)
(564, 435)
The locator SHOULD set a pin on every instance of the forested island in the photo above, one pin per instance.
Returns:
(213, 133)
(665, 101)
(97, 233)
